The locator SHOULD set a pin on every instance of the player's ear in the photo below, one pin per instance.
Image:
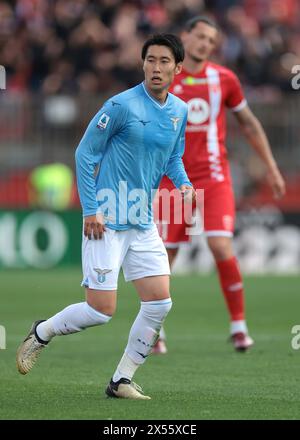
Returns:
(178, 68)
(218, 40)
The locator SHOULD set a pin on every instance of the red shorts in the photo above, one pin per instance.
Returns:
(217, 214)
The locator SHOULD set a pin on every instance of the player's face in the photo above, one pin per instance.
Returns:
(200, 42)
(160, 68)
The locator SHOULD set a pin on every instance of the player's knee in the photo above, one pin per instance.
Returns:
(221, 250)
(156, 310)
(106, 309)
(96, 317)
(102, 301)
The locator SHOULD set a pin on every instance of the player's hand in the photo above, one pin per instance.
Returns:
(188, 193)
(277, 183)
(94, 226)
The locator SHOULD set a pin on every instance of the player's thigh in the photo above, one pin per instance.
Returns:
(153, 288)
(147, 260)
(102, 259)
(104, 301)
(219, 210)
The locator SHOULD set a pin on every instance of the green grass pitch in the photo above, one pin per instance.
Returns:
(200, 378)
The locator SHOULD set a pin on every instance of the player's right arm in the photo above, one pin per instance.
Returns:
(88, 157)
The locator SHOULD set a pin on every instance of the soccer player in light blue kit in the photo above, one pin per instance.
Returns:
(136, 138)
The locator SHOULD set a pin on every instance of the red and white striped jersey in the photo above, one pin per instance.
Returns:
(208, 94)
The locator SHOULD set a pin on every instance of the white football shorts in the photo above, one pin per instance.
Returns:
(140, 253)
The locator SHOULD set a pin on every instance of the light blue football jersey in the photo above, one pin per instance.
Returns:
(134, 140)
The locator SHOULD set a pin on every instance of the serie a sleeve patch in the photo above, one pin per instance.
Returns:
(103, 121)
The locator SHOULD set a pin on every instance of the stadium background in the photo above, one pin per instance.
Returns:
(62, 59)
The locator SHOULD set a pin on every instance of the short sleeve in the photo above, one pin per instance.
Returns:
(235, 99)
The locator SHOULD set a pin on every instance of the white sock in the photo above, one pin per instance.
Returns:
(45, 330)
(126, 368)
(162, 334)
(145, 329)
(72, 319)
(238, 327)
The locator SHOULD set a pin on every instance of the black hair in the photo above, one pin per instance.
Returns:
(169, 40)
(192, 22)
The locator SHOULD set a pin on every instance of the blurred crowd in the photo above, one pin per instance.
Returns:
(92, 46)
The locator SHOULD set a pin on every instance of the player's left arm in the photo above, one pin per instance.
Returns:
(175, 168)
(257, 138)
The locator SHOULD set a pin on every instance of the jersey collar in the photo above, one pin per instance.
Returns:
(195, 74)
(155, 101)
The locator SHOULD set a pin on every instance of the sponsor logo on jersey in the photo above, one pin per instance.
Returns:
(191, 81)
(103, 121)
(175, 122)
(198, 110)
(101, 274)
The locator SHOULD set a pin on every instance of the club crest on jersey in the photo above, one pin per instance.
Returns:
(175, 122)
(103, 121)
(101, 274)
(178, 89)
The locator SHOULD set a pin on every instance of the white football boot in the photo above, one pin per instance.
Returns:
(125, 389)
(29, 350)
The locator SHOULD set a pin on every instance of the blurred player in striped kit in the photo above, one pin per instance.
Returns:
(209, 90)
